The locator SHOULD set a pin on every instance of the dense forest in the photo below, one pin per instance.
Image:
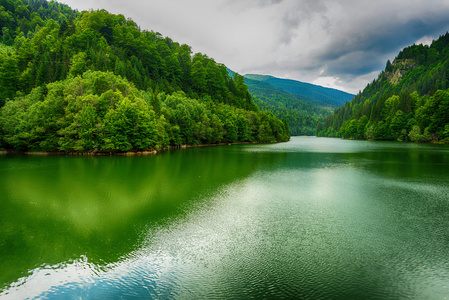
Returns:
(301, 105)
(300, 113)
(409, 101)
(301, 119)
(94, 81)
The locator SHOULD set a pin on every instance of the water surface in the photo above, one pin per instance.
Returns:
(312, 219)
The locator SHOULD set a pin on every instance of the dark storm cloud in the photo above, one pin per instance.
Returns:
(363, 52)
(341, 43)
(347, 40)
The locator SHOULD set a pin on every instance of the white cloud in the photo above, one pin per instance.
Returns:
(425, 40)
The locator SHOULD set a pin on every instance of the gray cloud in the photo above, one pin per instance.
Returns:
(300, 13)
(340, 43)
(366, 50)
(266, 2)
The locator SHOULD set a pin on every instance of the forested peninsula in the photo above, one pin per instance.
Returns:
(93, 81)
(409, 101)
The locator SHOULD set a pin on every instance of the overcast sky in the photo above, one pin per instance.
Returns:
(342, 44)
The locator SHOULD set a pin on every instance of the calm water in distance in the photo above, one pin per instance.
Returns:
(313, 218)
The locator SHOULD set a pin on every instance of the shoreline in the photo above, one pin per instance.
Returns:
(128, 153)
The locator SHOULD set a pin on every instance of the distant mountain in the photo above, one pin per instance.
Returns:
(301, 113)
(263, 89)
(275, 96)
(302, 105)
(329, 96)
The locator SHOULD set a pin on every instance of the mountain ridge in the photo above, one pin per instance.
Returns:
(327, 95)
(301, 113)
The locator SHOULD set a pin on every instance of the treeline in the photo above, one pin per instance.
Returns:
(188, 98)
(102, 112)
(408, 102)
(300, 121)
(57, 42)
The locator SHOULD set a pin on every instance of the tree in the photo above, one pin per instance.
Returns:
(185, 63)
(416, 136)
(398, 123)
(389, 67)
(79, 64)
(319, 128)
(7, 38)
(8, 77)
(198, 75)
(361, 127)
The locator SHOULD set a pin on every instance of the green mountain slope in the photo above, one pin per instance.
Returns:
(64, 42)
(329, 96)
(65, 72)
(409, 101)
(301, 114)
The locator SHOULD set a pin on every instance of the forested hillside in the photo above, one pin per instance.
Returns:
(409, 101)
(301, 105)
(60, 68)
(301, 114)
(309, 91)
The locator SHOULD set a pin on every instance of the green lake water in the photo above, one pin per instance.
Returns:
(313, 218)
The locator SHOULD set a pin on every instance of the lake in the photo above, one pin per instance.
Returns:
(313, 218)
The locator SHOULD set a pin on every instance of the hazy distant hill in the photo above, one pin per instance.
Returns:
(262, 89)
(329, 96)
(300, 112)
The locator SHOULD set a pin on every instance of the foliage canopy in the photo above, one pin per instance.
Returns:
(93, 81)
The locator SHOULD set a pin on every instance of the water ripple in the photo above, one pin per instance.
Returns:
(303, 231)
